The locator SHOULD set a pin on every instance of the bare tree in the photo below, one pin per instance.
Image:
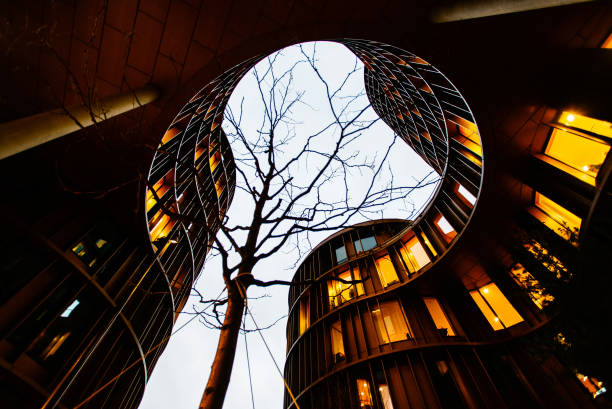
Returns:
(287, 179)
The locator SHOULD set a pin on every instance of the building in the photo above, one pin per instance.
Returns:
(428, 326)
(95, 267)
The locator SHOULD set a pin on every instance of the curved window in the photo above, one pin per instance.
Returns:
(386, 271)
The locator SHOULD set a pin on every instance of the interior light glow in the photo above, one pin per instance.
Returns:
(570, 118)
(70, 308)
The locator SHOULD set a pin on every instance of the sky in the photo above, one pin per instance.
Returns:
(180, 375)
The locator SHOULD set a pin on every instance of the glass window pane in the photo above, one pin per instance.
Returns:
(341, 254)
(583, 154)
(357, 276)
(363, 390)
(444, 225)
(337, 344)
(500, 305)
(386, 271)
(414, 255)
(586, 123)
(385, 396)
(368, 243)
(486, 310)
(565, 218)
(438, 315)
(536, 292)
(466, 194)
(304, 314)
(390, 322)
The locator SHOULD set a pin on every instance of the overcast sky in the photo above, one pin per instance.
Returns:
(181, 373)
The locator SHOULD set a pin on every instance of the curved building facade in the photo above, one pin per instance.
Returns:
(100, 247)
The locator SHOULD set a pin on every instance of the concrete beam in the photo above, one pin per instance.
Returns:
(25, 133)
(469, 9)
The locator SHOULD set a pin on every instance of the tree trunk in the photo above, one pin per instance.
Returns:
(221, 369)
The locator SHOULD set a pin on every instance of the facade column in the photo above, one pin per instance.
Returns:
(25, 133)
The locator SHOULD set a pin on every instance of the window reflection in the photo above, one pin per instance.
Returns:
(534, 289)
(563, 222)
(365, 244)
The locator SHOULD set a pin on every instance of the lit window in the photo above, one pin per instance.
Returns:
(363, 391)
(439, 317)
(54, 345)
(552, 263)
(365, 244)
(586, 123)
(339, 291)
(220, 185)
(608, 42)
(428, 244)
(414, 255)
(386, 271)
(160, 188)
(577, 155)
(304, 314)
(535, 291)
(336, 341)
(563, 222)
(70, 308)
(215, 159)
(385, 396)
(390, 323)
(465, 194)
(593, 385)
(445, 227)
(340, 254)
(495, 307)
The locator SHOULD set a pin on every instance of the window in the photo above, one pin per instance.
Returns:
(341, 254)
(445, 227)
(385, 396)
(363, 391)
(593, 385)
(495, 307)
(579, 155)
(390, 323)
(160, 188)
(386, 271)
(607, 42)
(586, 123)
(304, 313)
(414, 255)
(365, 244)
(552, 263)
(439, 317)
(215, 159)
(70, 308)
(536, 292)
(336, 342)
(95, 247)
(428, 244)
(563, 222)
(465, 195)
(340, 292)
(220, 185)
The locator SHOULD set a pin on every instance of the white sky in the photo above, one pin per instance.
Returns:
(181, 373)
